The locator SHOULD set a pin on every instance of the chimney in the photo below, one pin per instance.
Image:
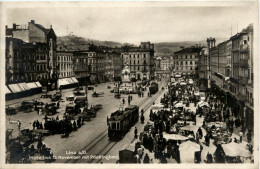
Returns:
(14, 26)
(32, 21)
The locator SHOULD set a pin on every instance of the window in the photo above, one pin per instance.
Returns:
(190, 68)
(138, 68)
(144, 55)
(138, 55)
(190, 62)
(130, 55)
(186, 61)
(186, 56)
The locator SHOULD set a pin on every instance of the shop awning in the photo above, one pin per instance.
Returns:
(62, 82)
(15, 88)
(75, 80)
(7, 91)
(70, 80)
(23, 86)
(32, 85)
(38, 84)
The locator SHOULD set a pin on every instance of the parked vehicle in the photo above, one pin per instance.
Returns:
(10, 111)
(57, 96)
(121, 121)
(51, 108)
(96, 94)
(70, 98)
(80, 100)
(27, 106)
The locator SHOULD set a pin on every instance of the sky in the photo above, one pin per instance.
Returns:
(133, 24)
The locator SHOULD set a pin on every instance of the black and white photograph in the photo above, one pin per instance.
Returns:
(129, 83)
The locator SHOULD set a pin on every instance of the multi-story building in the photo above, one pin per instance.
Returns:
(65, 63)
(113, 65)
(36, 33)
(165, 64)
(186, 60)
(242, 72)
(26, 62)
(81, 67)
(140, 60)
(231, 72)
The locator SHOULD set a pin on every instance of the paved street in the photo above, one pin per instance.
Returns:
(78, 139)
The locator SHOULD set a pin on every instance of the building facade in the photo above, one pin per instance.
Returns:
(113, 65)
(186, 60)
(231, 73)
(26, 62)
(140, 60)
(65, 65)
(36, 33)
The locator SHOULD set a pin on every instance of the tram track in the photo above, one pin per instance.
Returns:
(105, 150)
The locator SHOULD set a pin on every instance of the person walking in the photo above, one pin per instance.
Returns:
(135, 132)
(249, 135)
(241, 136)
(146, 159)
(123, 100)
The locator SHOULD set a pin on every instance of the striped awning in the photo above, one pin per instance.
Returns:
(38, 84)
(75, 80)
(23, 86)
(7, 91)
(15, 88)
(32, 85)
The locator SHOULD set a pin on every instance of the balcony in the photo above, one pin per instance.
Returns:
(243, 80)
(243, 63)
(244, 48)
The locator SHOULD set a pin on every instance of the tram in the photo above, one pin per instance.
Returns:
(121, 122)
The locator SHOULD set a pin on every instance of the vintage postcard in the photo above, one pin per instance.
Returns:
(109, 84)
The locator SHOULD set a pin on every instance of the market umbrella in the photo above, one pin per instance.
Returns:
(178, 105)
(174, 137)
(187, 151)
(234, 149)
(157, 106)
(203, 104)
(190, 128)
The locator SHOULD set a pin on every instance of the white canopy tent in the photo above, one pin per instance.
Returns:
(187, 151)
(174, 137)
(233, 149)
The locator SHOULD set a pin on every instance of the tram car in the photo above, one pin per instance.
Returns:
(153, 88)
(121, 122)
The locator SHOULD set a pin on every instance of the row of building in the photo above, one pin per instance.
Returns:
(226, 69)
(32, 54)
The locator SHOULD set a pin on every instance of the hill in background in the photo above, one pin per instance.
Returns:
(161, 49)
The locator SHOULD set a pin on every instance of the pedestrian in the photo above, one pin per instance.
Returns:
(200, 132)
(146, 159)
(241, 136)
(135, 132)
(123, 100)
(74, 125)
(40, 125)
(249, 135)
(34, 124)
(58, 104)
(37, 124)
(39, 146)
